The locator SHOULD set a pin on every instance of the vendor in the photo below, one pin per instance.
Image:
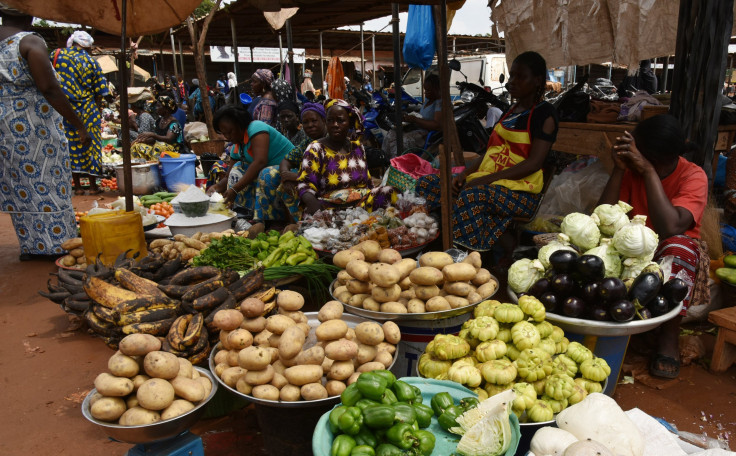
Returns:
(651, 176)
(253, 177)
(264, 104)
(508, 181)
(167, 137)
(334, 171)
(140, 121)
(290, 124)
(429, 119)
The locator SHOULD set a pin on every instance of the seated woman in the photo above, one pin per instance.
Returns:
(507, 182)
(252, 179)
(429, 119)
(314, 128)
(264, 104)
(334, 172)
(141, 121)
(290, 125)
(167, 137)
(656, 181)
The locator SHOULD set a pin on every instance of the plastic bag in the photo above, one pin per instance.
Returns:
(565, 196)
(419, 44)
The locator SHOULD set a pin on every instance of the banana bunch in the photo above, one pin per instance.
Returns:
(68, 292)
(188, 338)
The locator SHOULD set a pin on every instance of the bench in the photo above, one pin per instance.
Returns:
(724, 353)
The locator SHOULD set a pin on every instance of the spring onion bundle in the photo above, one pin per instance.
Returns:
(318, 276)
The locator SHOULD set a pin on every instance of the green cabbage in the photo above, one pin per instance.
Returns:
(636, 240)
(523, 273)
(611, 217)
(561, 243)
(582, 230)
(486, 429)
(608, 254)
(634, 266)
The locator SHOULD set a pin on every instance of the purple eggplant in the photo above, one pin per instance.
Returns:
(675, 291)
(562, 285)
(563, 261)
(645, 314)
(599, 313)
(645, 288)
(611, 289)
(590, 268)
(539, 287)
(589, 293)
(622, 310)
(573, 307)
(659, 306)
(550, 301)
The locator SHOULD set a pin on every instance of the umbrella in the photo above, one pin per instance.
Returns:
(109, 65)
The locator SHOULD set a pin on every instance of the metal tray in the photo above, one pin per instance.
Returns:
(351, 320)
(384, 316)
(404, 252)
(157, 431)
(150, 226)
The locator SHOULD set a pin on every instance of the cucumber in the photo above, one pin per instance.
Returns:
(730, 261)
(727, 275)
(151, 202)
(147, 197)
(164, 195)
(169, 199)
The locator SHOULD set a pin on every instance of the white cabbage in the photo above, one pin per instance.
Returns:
(551, 441)
(636, 240)
(611, 217)
(523, 273)
(634, 266)
(561, 243)
(608, 254)
(487, 429)
(582, 230)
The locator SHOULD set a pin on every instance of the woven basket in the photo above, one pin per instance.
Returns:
(400, 181)
(213, 146)
(540, 240)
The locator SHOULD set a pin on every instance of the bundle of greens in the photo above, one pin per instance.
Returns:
(229, 252)
(318, 276)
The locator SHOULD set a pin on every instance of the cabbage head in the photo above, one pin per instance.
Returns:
(523, 273)
(636, 240)
(608, 254)
(561, 243)
(611, 217)
(582, 230)
(634, 266)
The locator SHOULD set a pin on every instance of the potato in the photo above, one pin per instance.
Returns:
(436, 260)
(279, 381)
(223, 340)
(459, 272)
(474, 297)
(331, 330)
(340, 290)
(416, 306)
(405, 284)
(291, 342)
(335, 387)
(373, 365)
(277, 324)
(341, 370)
(274, 340)
(371, 250)
(394, 307)
(268, 392)
(278, 367)
(313, 391)
(122, 366)
(341, 350)
(326, 365)
(426, 275)
(436, 304)
(426, 292)
(107, 408)
(139, 344)
(384, 358)
(391, 332)
(290, 300)
(177, 408)
(220, 368)
(344, 296)
(221, 357)
(408, 294)
(68, 261)
(302, 375)
(131, 401)
(457, 288)
(371, 304)
(369, 333)
(355, 286)
(274, 351)
(304, 327)
(314, 355)
(341, 259)
(350, 334)
(254, 325)
(297, 315)
(359, 269)
(138, 381)
(290, 393)
(357, 300)
(188, 389)
(343, 277)
(482, 276)
(262, 338)
(252, 307)
(72, 243)
(486, 290)
(185, 368)
(353, 378)
(138, 416)
(206, 384)
(232, 357)
(95, 397)
(384, 274)
(240, 339)
(231, 375)
(260, 377)
(243, 387)
(388, 294)
(366, 353)
(155, 394)
(109, 385)
(474, 259)
(457, 301)
(332, 310)
(405, 267)
(385, 346)
(228, 319)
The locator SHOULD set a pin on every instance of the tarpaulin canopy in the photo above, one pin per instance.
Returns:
(110, 65)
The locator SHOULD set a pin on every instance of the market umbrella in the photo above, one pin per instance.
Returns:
(109, 65)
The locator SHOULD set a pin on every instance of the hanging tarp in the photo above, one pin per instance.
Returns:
(419, 43)
(335, 79)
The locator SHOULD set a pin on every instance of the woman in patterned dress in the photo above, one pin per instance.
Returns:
(264, 104)
(334, 171)
(167, 137)
(84, 84)
(34, 154)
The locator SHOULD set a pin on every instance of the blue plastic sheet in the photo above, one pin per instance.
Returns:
(728, 233)
(419, 44)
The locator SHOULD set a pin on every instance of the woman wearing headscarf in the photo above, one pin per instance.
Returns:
(334, 172)
(140, 121)
(264, 103)
(232, 81)
(83, 83)
(167, 136)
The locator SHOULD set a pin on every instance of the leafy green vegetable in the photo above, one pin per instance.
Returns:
(317, 274)
(582, 230)
(231, 252)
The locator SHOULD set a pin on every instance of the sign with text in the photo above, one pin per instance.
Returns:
(271, 55)
(226, 54)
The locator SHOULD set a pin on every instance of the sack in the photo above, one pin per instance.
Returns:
(631, 110)
(603, 111)
(574, 107)
(419, 43)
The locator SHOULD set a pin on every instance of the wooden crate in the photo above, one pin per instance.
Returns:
(653, 110)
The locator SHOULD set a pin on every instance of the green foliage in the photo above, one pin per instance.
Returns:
(204, 8)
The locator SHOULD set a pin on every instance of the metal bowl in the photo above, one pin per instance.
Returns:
(157, 431)
(150, 226)
(404, 252)
(351, 320)
(384, 316)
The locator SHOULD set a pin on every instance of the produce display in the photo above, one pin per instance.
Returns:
(145, 385)
(110, 156)
(79, 214)
(380, 280)
(111, 184)
(513, 347)
(584, 274)
(281, 358)
(728, 272)
(189, 247)
(160, 197)
(75, 258)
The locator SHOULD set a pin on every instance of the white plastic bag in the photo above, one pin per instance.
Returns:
(565, 194)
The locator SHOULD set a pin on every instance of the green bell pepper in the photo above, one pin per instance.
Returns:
(264, 246)
(351, 420)
(296, 258)
(350, 395)
(262, 255)
(404, 413)
(371, 385)
(426, 441)
(308, 261)
(289, 235)
(365, 403)
(448, 418)
(379, 416)
(417, 394)
(388, 375)
(342, 445)
(366, 437)
(414, 426)
(440, 402)
(389, 397)
(334, 417)
(404, 392)
(424, 415)
(400, 434)
(273, 257)
(363, 450)
(468, 403)
(386, 449)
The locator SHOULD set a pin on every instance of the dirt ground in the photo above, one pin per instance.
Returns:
(47, 371)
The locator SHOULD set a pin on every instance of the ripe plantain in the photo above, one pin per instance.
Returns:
(133, 282)
(211, 300)
(202, 289)
(145, 316)
(104, 314)
(99, 326)
(264, 295)
(175, 337)
(194, 329)
(201, 355)
(156, 328)
(106, 294)
(144, 303)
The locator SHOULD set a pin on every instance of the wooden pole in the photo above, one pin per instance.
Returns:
(173, 52)
(181, 60)
(666, 72)
(373, 50)
(397, 78)
(362, 55)
(124, 127)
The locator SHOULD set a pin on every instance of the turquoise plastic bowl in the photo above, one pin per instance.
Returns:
(446, 442)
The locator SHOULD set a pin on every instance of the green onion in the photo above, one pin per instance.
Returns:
(318, 276)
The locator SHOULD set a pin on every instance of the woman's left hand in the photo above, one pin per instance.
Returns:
(229, 196)
(626, 149)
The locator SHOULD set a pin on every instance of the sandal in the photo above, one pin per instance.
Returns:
(659, 361)
(79, 191)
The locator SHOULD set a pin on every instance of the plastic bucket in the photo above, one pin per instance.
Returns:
(416, 334)
(178, 172)
(111, 234)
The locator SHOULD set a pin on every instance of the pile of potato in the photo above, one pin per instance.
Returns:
(146, 385)
(380, 280)
(75, 258)
(188, 247)
(282, 358)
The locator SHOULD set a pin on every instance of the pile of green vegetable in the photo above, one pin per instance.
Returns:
(728, 272)
(512, 347)
(160, 197)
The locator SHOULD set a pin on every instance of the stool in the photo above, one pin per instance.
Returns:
(724, 353)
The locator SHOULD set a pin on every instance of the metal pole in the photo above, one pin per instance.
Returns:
(292, 68)
(236, 64)
(654, 67)
(453, 45)
(362, 55)
(574, 74)
(373, 50)
(666, 71)
(125, 133)
(173, 52)
(610, 70)
(397, 77)
(321, 63)
(181, 59)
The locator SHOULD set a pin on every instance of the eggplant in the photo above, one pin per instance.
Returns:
(599, 313)
(562, 285)
(645, 314)
(563, 261)
(675, 291)
(611, 289)
(622, 310)
(645, 288)
(573, 307)
(659, 306)
(550, 301)
(539, 288)
(590, 268)
(589, 293)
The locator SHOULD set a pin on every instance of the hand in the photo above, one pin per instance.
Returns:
(229, 196)
(458, 183)
(312, 206)
(289, 187)
(84, 137)
(288, 176)
(626, 151)
(407, 118)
